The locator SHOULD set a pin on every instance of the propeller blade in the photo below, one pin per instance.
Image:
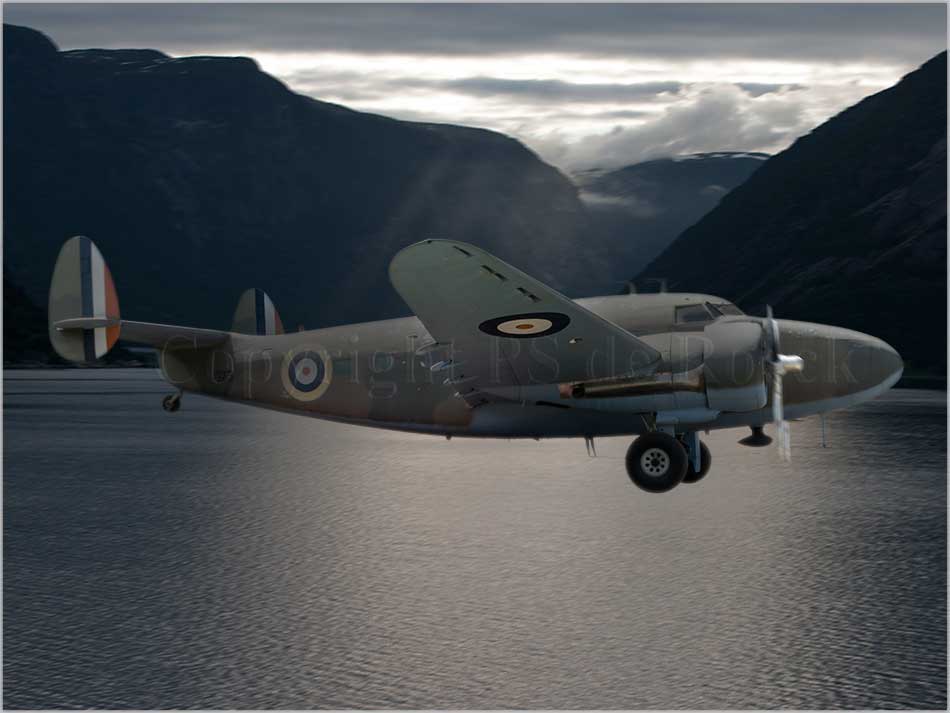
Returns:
(778, 412)
(779, 365)
(782, 435)
(773, 333)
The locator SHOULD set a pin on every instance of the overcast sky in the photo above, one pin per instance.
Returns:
(583, 85)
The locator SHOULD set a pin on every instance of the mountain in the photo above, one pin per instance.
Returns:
(638, 210)
(847, 226)
(199, 177)
(25, 340)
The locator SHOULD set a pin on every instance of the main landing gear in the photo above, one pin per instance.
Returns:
(658, 461)
(172, 402)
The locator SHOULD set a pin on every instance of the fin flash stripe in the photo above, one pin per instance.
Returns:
(99, 300)
(266, 319)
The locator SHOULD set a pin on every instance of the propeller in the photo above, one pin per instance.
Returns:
(779, 365)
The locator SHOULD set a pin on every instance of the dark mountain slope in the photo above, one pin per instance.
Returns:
(638, 210)
(847, 226)
(25, 340)
(202, 176)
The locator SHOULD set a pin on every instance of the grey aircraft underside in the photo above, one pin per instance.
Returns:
(492, 352)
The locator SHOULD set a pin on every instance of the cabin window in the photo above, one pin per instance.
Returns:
(693, 313)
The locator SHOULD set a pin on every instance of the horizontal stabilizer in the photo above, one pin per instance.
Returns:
(171, 336)
(87, 323)
(160, 336)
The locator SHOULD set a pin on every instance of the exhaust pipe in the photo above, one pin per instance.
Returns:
(661, 383)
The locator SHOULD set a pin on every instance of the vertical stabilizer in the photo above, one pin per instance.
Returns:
(83, 306)
(256, 314)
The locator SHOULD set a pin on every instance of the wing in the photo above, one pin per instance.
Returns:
(496, 327)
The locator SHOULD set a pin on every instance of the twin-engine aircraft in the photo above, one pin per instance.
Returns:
(495, 353)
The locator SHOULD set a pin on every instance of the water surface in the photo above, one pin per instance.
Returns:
(228, 557)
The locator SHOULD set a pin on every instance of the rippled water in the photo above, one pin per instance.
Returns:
(225, 557)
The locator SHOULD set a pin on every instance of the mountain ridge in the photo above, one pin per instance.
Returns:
(201, 177)
(639, 209)
(847, 226)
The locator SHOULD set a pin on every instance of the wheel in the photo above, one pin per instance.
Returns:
(171, 403)
(705, 460)
(656, 462)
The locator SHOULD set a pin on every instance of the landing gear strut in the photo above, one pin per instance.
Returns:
(172, 402)
(656, 462)
(705, 460)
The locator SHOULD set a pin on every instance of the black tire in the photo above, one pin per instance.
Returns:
(656, 462)
(171, 403)
(705, 460)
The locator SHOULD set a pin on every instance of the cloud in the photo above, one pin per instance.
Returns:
(558, 90)
(582, 85)
(901, 32)
(350, 84)
(757, 89)
(635, 205)
(712, 118)
(577, 124)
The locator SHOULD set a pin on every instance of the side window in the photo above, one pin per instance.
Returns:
(692, 313)
(730, 309)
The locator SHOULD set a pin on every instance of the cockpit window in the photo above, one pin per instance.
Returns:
(693, 313)
(728, 308)
(706, 312)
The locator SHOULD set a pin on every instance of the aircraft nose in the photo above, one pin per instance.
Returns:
(885, 361)
(861, 361)
(839, 363)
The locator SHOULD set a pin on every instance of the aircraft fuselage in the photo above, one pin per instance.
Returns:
(389, 374)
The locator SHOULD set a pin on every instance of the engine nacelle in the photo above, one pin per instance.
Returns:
(734, 365)
(727, 365)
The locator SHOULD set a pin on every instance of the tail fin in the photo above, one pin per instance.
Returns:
(256, 314)
(83, 306)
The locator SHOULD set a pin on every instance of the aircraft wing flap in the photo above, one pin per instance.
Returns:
(499, 327)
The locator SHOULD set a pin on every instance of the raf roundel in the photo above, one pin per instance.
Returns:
(526, 326)
(306, 373)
